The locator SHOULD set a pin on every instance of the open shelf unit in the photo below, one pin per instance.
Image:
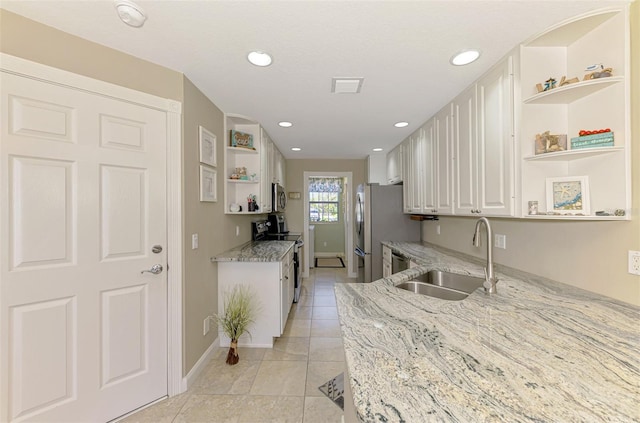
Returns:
(566, 50)
(237, 191)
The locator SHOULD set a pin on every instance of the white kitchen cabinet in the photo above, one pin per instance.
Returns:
(407, 198)
(600, 37)
(429, 166)
(394, 165)
(443, 123)
(415, 171)
(483, 145)
(278, 167)
(376, 171)
(272, 283)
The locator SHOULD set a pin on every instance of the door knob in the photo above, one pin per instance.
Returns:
(155, 269)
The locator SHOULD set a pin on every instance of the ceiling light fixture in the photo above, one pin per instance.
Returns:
(285, 124)
(259, 58)
(130, 13)
(377, 149)
(296, 148)
(346, 85)
(401, 124)
(464, 57)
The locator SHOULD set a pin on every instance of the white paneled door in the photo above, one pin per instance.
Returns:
(83, 184)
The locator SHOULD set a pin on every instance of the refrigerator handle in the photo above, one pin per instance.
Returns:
(360, 253)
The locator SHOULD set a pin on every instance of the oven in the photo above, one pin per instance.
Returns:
(261, 231)
(297, 257)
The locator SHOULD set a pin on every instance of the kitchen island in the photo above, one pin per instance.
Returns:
(266, 267)
(537, 350)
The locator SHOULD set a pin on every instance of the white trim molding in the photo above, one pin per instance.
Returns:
(348, 220)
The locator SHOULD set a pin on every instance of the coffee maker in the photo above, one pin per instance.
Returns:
(278, 224)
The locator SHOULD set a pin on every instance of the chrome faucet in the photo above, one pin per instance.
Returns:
(490, 279)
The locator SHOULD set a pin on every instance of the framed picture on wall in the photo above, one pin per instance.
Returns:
(568, 195)
(208, 183)
(207, 147)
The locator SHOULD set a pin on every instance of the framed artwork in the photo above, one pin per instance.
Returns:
(568, 195)
(241, 140)
(207, 147)
(208, 183)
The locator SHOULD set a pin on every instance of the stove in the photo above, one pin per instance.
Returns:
(262, 230)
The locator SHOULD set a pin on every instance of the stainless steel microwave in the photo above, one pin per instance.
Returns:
(279, 198)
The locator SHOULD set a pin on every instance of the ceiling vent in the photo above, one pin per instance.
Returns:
(346, 85)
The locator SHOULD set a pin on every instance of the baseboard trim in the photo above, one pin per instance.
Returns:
(200, 364)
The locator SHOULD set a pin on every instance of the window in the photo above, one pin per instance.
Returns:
(324, 206)
(324, 199)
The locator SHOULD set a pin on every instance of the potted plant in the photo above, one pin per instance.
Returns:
(240, 310)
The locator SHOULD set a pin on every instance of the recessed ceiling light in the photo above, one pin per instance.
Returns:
(296, 148)
(259, 58)
(130, 13)
(464, 57)
(377, 149)
(285, 124)
(401, 124)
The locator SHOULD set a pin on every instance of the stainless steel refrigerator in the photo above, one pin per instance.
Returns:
(379, 217)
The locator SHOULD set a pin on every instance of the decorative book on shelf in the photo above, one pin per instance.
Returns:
(604, 139)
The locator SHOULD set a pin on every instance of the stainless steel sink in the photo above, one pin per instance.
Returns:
(433, 290)
(464, 283)
(443, 285)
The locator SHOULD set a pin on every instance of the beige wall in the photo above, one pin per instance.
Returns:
(216, 231)
(590, 255)
(34, 41)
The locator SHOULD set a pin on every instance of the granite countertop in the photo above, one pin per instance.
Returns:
(259, 251)
(536, 351)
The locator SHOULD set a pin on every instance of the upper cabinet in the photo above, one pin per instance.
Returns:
(394, 165)
(478, 156)
(250, 167)
(592, 101)
(483, 145)
(443, 132)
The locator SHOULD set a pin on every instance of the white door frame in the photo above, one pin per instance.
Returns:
(351, 269)
(173, 109)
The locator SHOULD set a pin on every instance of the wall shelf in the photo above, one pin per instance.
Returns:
(574, 154)
(555, 217)
(241, 150)
(572, 92)
(241, 181)
(566, 49)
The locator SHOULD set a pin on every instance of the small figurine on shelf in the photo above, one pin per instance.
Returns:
(597, 71)
(564, 81)
(242, 173)
(548, 143)
(549, 84)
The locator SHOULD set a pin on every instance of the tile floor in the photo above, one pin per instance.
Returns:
(271, 385)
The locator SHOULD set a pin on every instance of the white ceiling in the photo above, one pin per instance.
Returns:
(400, 48)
